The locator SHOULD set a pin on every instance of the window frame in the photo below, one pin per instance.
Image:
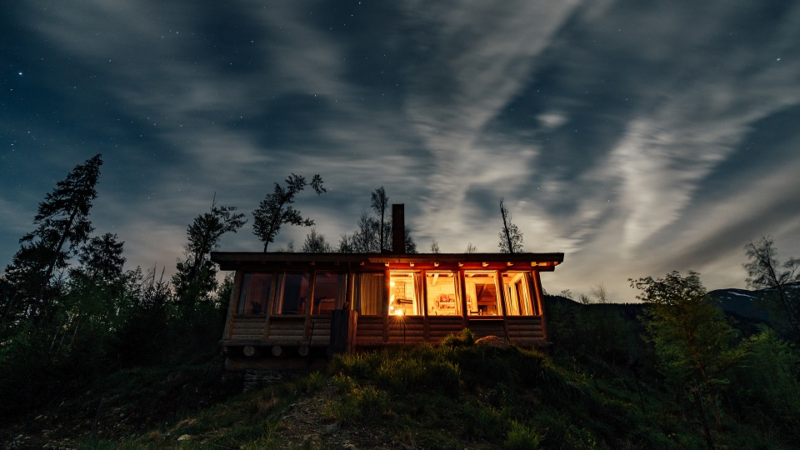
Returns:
(243, 291)
(339, 300)
(526, 283)
(498, 294)
(280, 289)
(419, 293)
(457, 292)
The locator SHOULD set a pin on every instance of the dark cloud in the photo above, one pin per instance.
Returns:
(636, 137)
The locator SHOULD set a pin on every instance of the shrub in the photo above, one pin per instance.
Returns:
(520, 437)
(414, 372)
(466, 338)
(361, 403)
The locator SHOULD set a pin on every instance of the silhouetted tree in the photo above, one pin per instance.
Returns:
(373, 234)
(411, 246)
(62, 226)
(316, 243)
(276, 210)
(434, 246)
(101, 257)
(600, 293)
(346, 244)
(765, 272)
(366, 239)
(471, 248)
(380, 201)
(510, 236)
(196, 275)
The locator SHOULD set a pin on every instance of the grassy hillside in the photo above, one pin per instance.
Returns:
(598, 389)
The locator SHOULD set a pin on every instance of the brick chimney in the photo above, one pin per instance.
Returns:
(398, 229)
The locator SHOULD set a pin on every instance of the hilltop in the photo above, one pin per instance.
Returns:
(599, 388)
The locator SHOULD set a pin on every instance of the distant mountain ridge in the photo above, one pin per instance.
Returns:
(743, 302)
(746, 303)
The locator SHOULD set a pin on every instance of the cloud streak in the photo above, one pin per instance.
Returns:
(626, 135)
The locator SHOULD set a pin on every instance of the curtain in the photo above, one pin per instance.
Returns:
(368, 297)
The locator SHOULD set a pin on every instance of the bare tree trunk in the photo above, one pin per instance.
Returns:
(504, 213)
(699, 405)
(51, 267)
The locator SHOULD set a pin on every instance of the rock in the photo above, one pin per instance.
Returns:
(492, 341)
(185, 437)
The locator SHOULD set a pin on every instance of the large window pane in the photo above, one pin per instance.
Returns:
(405, 294)
(292, 293)
(368, 293)
(482, 298)
(442, 298)
(255, 293)
(329, 291)
(517, 291)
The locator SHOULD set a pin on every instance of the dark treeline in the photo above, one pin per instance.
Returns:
(69, 311)
(735, 379)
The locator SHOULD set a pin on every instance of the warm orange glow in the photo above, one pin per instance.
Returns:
(398, 312)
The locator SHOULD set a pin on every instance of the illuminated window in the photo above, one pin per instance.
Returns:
(329, 291)
(405, 294)
(442, 298)
(368, 293)
(482, 298)
(517, 291)
(291, 294)
(255, 293)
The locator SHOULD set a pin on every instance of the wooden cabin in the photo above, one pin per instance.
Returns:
(286, 305)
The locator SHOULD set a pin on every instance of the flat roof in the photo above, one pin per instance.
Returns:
(233, 260)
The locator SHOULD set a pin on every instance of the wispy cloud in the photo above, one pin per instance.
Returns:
(608, 126)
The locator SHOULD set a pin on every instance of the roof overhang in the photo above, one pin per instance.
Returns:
(249, 260)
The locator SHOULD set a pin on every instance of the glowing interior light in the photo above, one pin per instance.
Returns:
(398, 312)
(391, 283)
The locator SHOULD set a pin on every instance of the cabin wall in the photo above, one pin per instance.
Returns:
(293, 333)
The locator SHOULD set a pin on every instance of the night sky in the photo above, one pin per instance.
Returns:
(637, 137)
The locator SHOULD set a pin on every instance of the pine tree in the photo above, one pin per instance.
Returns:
(62, 226)
(276, 210)
(101, 257)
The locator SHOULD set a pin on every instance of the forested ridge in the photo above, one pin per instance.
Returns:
(96, 356)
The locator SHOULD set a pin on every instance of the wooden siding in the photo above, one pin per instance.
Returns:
(369, 331)
(320, 332)
(247, 328)
(441, 326)
(526, 330)
(287, 330)
(487, 327)
(372, 331)
(406, 330)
